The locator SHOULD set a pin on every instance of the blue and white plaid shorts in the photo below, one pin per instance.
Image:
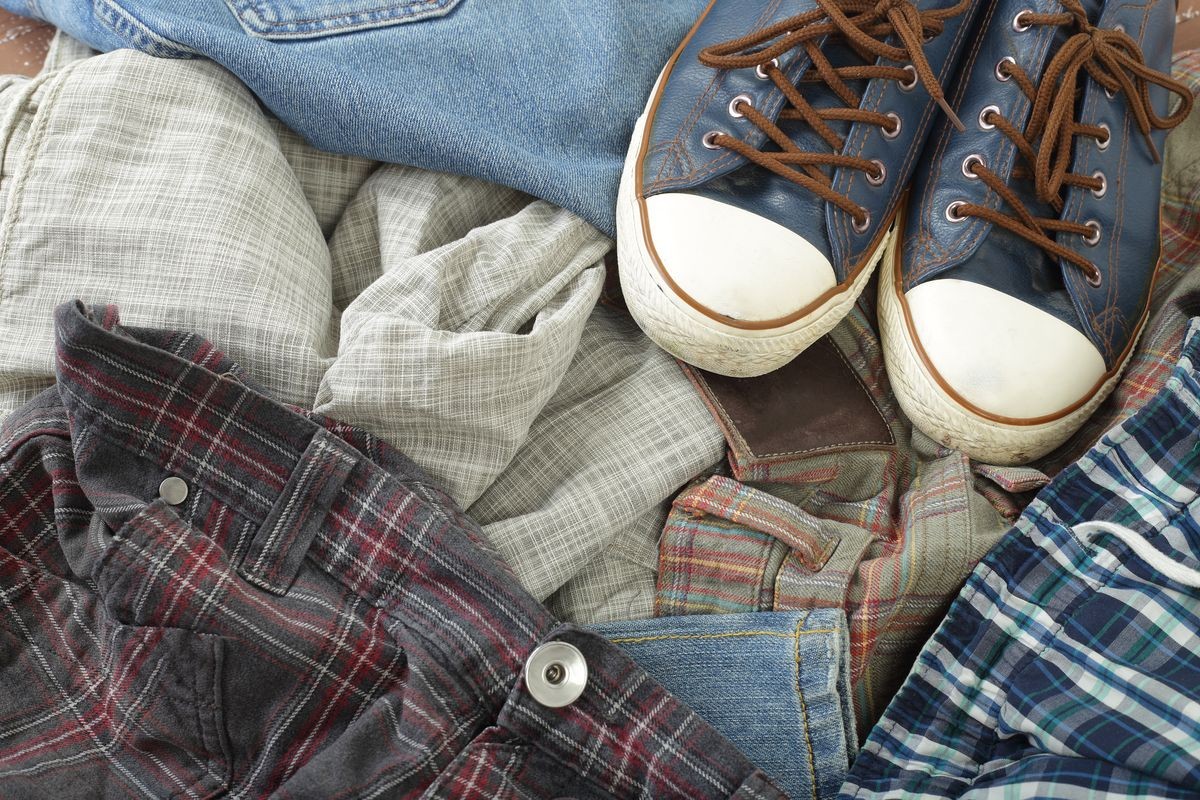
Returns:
(1069, 666)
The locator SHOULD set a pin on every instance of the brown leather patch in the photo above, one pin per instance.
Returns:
(816, 404)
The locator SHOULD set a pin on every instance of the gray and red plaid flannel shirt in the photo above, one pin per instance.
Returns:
(313, 618)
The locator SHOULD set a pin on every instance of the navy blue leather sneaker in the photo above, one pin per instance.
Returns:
(1030, 243)
(763, 178)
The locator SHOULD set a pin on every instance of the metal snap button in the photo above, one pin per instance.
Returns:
(556, 674)
(173, 490)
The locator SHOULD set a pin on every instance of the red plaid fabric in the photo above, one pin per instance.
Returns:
(312, 620)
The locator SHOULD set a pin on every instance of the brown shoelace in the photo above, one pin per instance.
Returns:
(864, 25)
(1113, 59)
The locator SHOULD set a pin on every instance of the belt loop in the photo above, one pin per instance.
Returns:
(277, 550)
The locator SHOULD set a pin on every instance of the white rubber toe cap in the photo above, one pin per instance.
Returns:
(733, 262)
(1002, 355)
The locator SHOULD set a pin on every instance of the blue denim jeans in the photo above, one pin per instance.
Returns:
(534, 95)
(777, 684)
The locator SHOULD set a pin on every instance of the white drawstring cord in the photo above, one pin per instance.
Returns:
(1144, 550)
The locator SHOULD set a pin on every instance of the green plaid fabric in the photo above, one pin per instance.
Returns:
(1069, 667)
(898, 529)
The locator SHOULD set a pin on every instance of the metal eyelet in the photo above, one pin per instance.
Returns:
(1094, 239)
(952, 211)
(1094, 280)
(880, 174)
(911, 83)
(1017, 25)
(760, 71)
(1102, 144)
(861, 227)
(969, 162)
(1000, 75)
(1119, 28)
(897, 123)
(984, 114)
(1109, 93)
(737, 101)
(709, 140)
(1103, 190)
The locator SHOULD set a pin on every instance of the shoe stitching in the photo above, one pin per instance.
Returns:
(911, 154)
(960, 247)
(702, 103)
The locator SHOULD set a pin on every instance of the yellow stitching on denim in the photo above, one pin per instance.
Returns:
(738, 634)
(812, 758)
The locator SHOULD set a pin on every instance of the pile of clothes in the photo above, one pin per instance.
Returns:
(731, 399)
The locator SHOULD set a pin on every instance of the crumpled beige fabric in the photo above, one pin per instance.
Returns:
(453, 318)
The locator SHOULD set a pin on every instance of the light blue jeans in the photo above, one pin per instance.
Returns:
(777, 684)
(541, 96)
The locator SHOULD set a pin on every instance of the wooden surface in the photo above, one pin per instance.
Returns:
(23, 44)
(1187, 25)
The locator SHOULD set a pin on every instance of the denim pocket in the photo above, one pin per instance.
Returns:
(310, 19)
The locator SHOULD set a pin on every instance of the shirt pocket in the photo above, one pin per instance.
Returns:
(162, 699)
(727, 547)
(92, 707)
(310, 19)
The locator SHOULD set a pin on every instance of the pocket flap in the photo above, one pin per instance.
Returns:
(309, 19)
(726, 498)
(164, 702)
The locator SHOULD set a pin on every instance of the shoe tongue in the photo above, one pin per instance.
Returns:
(839, 54)
(806, 209)
(1093, 9)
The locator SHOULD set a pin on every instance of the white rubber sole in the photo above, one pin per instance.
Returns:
(691, 336)
(938, 415)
